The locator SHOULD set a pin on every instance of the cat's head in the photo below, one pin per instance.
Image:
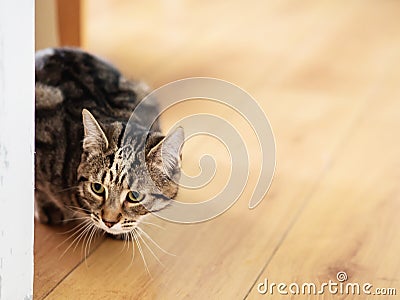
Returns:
(115, 186)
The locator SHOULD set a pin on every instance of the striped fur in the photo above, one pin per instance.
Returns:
(82, 106)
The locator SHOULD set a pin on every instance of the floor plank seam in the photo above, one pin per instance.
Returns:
(291, 225)
(72, 270)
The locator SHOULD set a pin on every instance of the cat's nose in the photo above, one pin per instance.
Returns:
(110, 217)
(109, 224)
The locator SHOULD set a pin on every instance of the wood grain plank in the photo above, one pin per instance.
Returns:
(53, 260)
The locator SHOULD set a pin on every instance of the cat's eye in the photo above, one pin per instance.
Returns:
(134, 197)
(97, 188)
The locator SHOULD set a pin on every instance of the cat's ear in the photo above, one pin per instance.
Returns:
(169, 150)
(94, 139)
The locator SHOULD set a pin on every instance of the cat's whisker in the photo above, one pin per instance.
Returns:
(141, 252)
(154, 242)
(148, 247)
(89, 241)
(93, 237)
(79, 213)
(77, 238)
(149, 223)
(81, 225)
(126, 241)
(130, 236)
(124, 245)
(76, 219)
(84, 244)
(74, 228)
(67, 189)
(83, 236)
(76, 208)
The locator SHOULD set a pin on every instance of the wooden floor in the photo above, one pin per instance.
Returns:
(327, 74)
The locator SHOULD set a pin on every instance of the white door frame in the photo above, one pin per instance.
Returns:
(16, 148)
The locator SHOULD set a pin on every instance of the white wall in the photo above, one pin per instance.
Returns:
(16, 148)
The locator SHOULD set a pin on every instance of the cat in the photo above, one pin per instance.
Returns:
(86, 162)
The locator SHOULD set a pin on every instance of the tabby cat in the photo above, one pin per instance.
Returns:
(87, 163)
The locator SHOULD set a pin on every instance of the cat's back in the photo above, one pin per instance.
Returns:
(77, 80)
